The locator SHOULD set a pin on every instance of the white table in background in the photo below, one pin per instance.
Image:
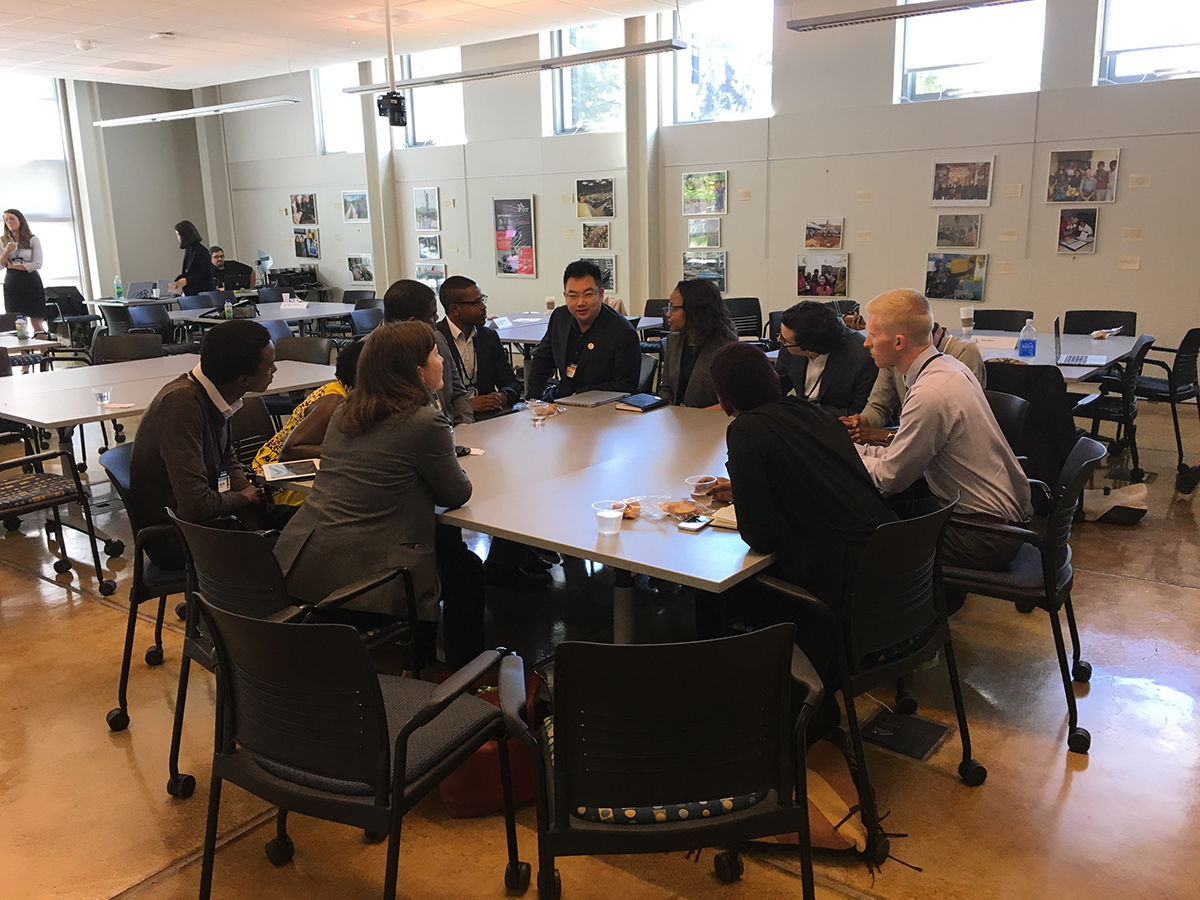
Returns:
(1114, 350)
(14, 345)
(270, 312)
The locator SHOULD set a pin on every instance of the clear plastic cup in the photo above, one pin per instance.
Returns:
(608, 515)
(103, 395)
(700, 486)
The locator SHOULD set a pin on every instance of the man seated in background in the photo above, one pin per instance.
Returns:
(476, 350)
(948, 436)
(587, 345)
(407, 299)
(183, 457)
(823, 360)
(238, 273)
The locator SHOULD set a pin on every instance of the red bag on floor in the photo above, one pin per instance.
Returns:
(473, 789)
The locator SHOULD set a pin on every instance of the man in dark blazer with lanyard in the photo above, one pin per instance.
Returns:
(588, 345)
(824, 360)
(476, 350)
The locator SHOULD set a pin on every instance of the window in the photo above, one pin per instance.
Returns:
(339, 116)
(435, 114)
(1150, 40)
(726, 71)
(992, 50)
(588, 98)
(33, 176)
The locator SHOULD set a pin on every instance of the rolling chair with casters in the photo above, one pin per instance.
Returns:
(305, 722)
(613, 748)
(1042, 576)
(1001, 319)
(152, 318)
(1117, 402)
(1179, 385)
(302, 349)
(149, 580)
(893, 618)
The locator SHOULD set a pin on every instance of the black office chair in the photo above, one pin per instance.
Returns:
(842, 307)
(774, 326)
(1049, 435)
(1001, 319)
(649, 370)
(250, 427)
(1085, 321)
(893, 618)
(1179, 385)
(149, 581)
(1010, 412)
(302, 349)
(362, 299)
(268, 294)
(746, 313)
(152, 318)
(651, 338)
(666, 751)
(364, 321)
(110, 348)
(1042, 576)
(305, 722)
(116, 319)
(203, 300)
(1117, 402)
(65, 305)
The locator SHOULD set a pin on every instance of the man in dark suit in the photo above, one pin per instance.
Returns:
(823, 360)
(475, 349)
(587, 345)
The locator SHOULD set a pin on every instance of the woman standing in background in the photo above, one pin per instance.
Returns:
(197, 263)
(21, 256)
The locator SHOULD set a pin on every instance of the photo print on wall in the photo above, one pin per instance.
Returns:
(362, 270)
(304, 209)
(823, 234)
(432, 275)
(704, 233)
(512, 219)
(1083, 176)
(429, 246)
(956, 276)
(706, 264)
(354, 207)
(308, 244)
(596, 198)
(427, 209)
(1077, 230)
(823, 275)
(962, 183)
(595, 236)
(608, 270)
(958, 231)
(704, 193)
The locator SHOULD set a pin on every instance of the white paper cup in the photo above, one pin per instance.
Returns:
(608, 515)
(966, 315)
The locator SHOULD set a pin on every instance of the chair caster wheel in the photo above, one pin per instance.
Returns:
(1025, 608)
(878, 850)
(1082, 671)
(114, 548)
(906, 704)
(972, 773)
(118, 719)
(154, 655)
(374, 837)
(82, 467)
(108, 587)
(516, 878)
(1079, 740)
(120, 438)
(181, 786)
(728, 866)
(12, 523)
(102, 450)
(549, 888)
(1136, 476)
(280, 851)
(1116, 448)
(62, 566)
(181, 610)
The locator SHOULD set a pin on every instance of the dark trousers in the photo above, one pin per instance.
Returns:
(462, 597)
(966, 548)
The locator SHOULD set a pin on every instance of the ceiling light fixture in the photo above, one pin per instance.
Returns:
(890, 13)
(198, 112)
(524, 68)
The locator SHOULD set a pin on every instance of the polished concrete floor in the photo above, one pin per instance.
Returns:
(84, 812)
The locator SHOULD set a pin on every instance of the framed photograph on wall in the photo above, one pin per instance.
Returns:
(595, 236)
(362, 270)
(959, 182)
(823, 234)
(704, 233)
(1077, 230)
(596, 198)
(513, 227)
(432, 275)
(308, 243)
(304, 209)
(354, 207)
(704, 193)
(608, 269)
(956, 276)
(1083, 176)
(823, 275)
(706, 264)
(427, 209)
(429, 246)
(958, 231)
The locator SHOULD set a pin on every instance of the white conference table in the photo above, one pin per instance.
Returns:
(528, 328)
(270, 312)
(14, 345)
(1114, 350)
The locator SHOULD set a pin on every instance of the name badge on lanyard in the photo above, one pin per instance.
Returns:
(222, 481)
(571, 371)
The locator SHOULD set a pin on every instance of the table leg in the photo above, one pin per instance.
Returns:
(623, 607)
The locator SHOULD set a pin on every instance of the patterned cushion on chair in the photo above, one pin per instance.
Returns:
(34, 489)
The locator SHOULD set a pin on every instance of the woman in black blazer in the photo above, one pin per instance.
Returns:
(196, 276)
(700, 326)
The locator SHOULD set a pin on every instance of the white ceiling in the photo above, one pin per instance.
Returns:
(220, 41)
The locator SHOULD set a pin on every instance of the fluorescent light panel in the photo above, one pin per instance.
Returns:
(199, 112)
(890, 13)
(523, 68)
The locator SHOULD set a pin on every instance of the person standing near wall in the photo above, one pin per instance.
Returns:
(21, 256)
(196, 276)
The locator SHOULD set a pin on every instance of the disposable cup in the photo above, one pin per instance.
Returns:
(608, 515)
(700, 486)
(103, 395)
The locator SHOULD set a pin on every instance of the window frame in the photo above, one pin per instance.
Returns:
(319, 112)
(559, 92)
(1106, 62)
(403, 73)
(676, 33)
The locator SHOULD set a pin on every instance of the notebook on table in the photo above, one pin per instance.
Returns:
(589, 399)
(1072, 359)
(641, 403)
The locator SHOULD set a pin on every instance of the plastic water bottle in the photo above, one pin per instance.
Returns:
(22, 327)
(118, 291)
(1027, 345)
(229, 309)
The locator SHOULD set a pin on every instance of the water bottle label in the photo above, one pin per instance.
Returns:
(1027, 347)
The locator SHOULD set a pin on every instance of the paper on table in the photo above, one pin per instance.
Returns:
(117, 405)
(294, 304)
(994, 342)
(725, 518)
(501, 322)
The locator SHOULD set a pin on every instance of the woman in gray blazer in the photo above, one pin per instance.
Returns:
(700, 326)
(387, 460)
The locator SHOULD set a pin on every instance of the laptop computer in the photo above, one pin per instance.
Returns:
(589, 399)
(1072, 359)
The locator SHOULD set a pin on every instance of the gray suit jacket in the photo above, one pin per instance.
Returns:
(699, 387)
(371, 508)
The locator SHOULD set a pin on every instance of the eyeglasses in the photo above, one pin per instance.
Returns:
(479, 301)
(785, 344)
(672, 308)
(589, 294)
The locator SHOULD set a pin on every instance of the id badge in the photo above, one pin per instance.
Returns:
(222, 481)
(571, 371)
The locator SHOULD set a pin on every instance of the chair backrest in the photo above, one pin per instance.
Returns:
(5, 365)
(746, 313)
(1010, 412)
(108, 348)
(1132, 368)
(203, 300)
(892, 602)
(774, 324)
(279, 331)
(68, 299)
(250, 427)
(305, 699)
(646, 378)
(1085, 321)
(364, 321)
(116, 463)
(842, 307)
(1067, 489)
(139, 290)
(1049, 433)
(317, 350)
(235, 570)
(268, 294)
(1185, 359)
(655, 309)
(150, 315)
(1001, 319)
(116, 318)
(356, 296)
(668, 723)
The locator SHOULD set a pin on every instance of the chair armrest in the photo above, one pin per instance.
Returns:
(1086, 401)
(796, 593)
(1041, 486)
(290, 614)
(512, 694)
(804, 673)
(994, 528)
(26, 460)
(1157, 362)
(447, 692)
(143, 329)
(154, 531)
(357, 589)
(1156, 348)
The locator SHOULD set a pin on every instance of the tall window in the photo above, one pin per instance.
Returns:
(588, 98)
(1150, 40)
(435, 114)
(33, 176)
(726, 71)
(992, 50)
(339, 116)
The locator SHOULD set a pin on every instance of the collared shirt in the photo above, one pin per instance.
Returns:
(889, 390)
(949, 435)
(226, 409)
(812, 375)
(465, 345)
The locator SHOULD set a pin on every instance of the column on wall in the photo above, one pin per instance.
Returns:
(380, 165)
(91, 172)
(641, 167)
(214, 173)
